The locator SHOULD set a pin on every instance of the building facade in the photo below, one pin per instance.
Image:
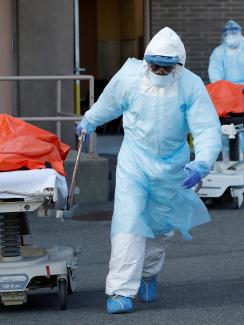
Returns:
(37, 38)
(198, 22)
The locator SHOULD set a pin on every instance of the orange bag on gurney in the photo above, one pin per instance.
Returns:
(227, 97)
(25, 146)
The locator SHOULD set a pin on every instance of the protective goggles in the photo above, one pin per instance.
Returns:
(157, 69)
(231, 31)
(163, 61)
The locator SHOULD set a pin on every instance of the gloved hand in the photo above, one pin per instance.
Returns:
(85, 127)
(192, 178)
(80, 128)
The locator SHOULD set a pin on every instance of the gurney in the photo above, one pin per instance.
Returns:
(27, 267)
(227, 175)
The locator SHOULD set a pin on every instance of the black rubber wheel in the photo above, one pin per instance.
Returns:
(62, 292)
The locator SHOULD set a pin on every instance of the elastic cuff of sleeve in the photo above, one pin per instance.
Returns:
(199, 166)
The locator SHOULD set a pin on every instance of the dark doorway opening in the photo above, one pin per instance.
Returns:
(111, 31)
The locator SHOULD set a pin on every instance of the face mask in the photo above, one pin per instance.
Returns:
(233, 41)
(160, 81)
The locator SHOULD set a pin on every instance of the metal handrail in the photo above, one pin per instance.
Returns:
(58, 119)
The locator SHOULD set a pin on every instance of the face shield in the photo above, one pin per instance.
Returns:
(231, 34)
(162, 65)
(232, 39)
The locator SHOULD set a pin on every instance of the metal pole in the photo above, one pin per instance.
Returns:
(91, 91)
(58, 108)
(65, 77)
(51, 118)
(77, 56)
(147, 20)
(66, 116)
(93, 139)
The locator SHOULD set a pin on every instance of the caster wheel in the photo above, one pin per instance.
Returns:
(62, 292)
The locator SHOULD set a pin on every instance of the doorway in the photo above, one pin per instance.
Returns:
(111, 31)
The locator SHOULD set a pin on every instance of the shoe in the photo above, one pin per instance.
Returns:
(148, 289)
(119, 305)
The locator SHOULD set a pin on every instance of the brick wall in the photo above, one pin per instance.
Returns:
(198, 23)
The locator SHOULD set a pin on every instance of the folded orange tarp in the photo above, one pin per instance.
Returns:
(23, 145)
(226, 97)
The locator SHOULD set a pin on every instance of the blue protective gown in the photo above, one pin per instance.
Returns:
(227, 64)
(149, 198)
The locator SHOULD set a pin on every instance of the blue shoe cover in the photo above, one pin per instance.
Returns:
(119, 305)
(148, 289)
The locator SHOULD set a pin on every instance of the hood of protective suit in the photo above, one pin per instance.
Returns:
(167, 43)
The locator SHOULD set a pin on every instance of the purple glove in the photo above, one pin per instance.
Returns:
(193, 177)
(79, 128)
(84, 126)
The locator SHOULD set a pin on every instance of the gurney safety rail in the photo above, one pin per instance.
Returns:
(61, 116)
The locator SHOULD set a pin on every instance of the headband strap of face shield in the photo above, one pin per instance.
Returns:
(162, 61)
(231, 29)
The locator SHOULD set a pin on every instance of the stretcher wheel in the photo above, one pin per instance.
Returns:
(62, 292)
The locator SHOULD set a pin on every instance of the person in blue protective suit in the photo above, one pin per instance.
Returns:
(161, 102)
(227, 60)
(227, 63)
